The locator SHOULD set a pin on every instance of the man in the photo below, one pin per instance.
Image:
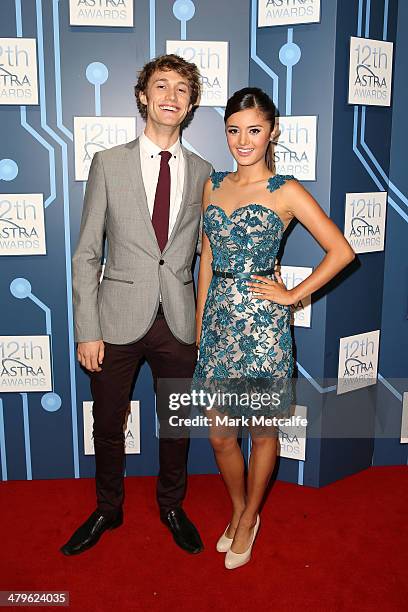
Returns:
(146, 197)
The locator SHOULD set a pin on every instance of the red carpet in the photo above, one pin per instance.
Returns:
(342, 547)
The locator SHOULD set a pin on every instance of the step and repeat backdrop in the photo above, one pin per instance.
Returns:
(335, 71)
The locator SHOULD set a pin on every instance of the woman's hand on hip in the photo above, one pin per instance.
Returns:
(264, 288)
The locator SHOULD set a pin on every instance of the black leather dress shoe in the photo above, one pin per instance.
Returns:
(88, 534)
(184, 532)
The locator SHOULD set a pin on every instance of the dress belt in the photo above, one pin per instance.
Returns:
(226, 274)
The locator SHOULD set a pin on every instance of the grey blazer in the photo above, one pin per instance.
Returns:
(123, 306)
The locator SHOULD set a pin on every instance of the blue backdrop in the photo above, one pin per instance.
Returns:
(360, 149)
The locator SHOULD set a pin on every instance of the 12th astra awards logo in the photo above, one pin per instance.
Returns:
(364, 224)
(113, 13)
(292, 440)
(131, 428)
(211, 58)
(18, 71)
(370, 72)
(295, 148)
(301, 311)
(22, 224)
(287, 12)
(25, 364)
(358, 361)
(92, 134)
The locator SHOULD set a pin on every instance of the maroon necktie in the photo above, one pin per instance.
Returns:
(161, 210)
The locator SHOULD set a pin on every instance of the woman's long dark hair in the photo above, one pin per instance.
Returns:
(253, 97)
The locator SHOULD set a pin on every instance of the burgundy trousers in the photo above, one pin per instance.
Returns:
(111, 389)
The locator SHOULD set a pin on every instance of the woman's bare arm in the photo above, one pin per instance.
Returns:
(338, 251)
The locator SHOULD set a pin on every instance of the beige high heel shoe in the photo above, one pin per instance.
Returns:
(224, 543)
(233, 560)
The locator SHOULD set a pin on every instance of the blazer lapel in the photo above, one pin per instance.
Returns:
(135, 173)
(187, 188)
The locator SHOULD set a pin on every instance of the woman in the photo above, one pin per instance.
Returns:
(243, 308)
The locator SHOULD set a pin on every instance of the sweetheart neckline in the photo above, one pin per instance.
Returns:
(246, 206)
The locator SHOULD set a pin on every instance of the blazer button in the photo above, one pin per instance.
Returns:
(161, 262)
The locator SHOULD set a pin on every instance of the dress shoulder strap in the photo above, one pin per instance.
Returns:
(274, 182)
(217, 178)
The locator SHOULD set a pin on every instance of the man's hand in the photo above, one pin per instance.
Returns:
(91, 354)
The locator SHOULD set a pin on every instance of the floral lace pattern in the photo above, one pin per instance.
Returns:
(243, 336)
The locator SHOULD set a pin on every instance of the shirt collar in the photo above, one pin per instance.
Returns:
(150, 149)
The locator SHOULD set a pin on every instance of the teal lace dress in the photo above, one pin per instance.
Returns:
(245, 338)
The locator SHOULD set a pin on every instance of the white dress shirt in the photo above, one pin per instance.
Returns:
(150, 163)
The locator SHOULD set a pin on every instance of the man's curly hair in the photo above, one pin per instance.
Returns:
(174, 62)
